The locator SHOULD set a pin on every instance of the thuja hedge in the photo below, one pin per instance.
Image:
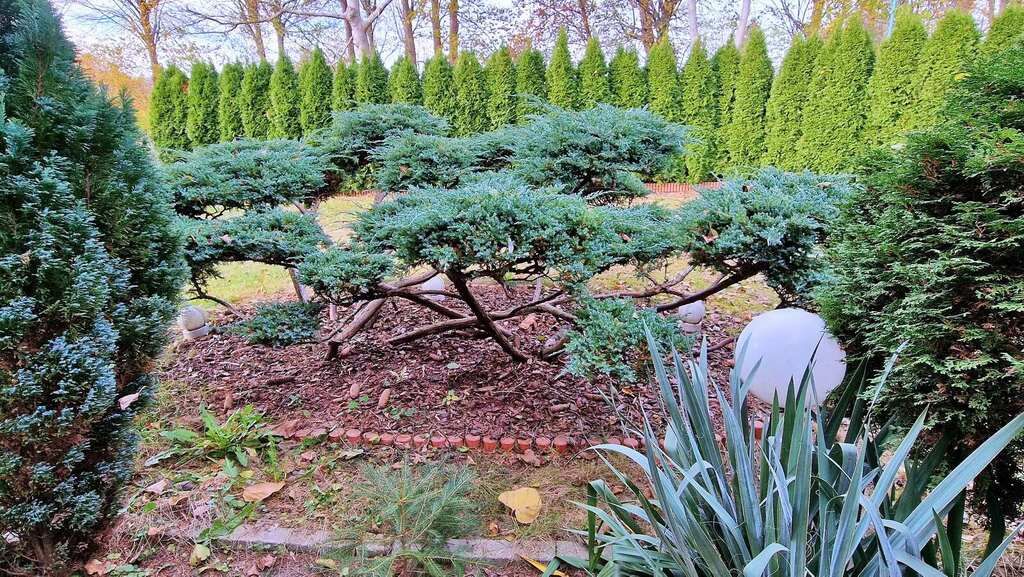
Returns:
(90, 272)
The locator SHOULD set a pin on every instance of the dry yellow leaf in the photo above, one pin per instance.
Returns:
(260, 491)
(541, 566)
(524, 502)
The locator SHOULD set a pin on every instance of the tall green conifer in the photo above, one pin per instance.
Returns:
(254, 101)
(344, 87)
(404, 83)
(501, 89)
(229, 115)
(744, 137)
(203, 126)
(1006, 27)
(562, 78)
(439, 88)
(835, 111)
(594, 87)
(470, 95)
(315, 87)
(169, 111)
(531, 85)
(785, 109)
(663, 81)
(726, 64)
(944, 59)
(699, 109)
(627, 79)
(372, 81)
(284, 100)
(890, 91)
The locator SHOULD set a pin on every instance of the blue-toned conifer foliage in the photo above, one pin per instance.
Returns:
(89, 274)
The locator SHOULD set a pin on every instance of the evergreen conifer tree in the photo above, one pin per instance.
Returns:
(835, 113)
(502, 106)
(372, 81)
(284, 100)
(744, 137)
(470, 96)
(699, 107)
(627, 79)
(594, 87)
(168, 110)
(890, 90)
(562, 78)
(315, 92)
(344, 87)
(228, 113)
(531, 85)
(785, 109)
(663, 81)
(202, 125)
(90, 274)
(944, 58)
(439, 88)
(1005, 28)
(254, 101)
(404, 83)
(726, 64)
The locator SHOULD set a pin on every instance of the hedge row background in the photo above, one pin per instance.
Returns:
(832, 97)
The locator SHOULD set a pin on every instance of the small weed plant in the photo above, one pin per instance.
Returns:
(242, 435)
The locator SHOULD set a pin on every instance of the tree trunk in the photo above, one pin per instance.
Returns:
(488, 324)
(149, 37)
(453, 30)
(408, 13)
(279, 32)
(353, 14)
(350, 45)
(817, 15)
(646, 25)
(435, 27)
(691, 8)
(585, 18)
(743, 23)
(255, 29)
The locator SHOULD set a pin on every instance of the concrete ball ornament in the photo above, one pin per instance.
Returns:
(192, 321)
(784, 341)
(434, 283)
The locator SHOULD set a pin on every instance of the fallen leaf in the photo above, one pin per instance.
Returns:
(260, 491)
(528, 322)
(326, 563)
(158, 488)
(199, 554)
(383, 400)
(267, 561)
(541, 566)
(286, 429)
(97, 567)
(127, 400)
(524, 502)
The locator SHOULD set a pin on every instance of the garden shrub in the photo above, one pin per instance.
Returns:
(531, 85)
(229, 116)
(202, 124)
(945, 57)
(280, 324)
(315, 87)
(930, 254)
(1007, 27)
(168, 114)
(371, 81)
(254, 101)
(744, 137)
(90, 273)
(785, 108)
(411, 160)
(500, 75)
(627, 78)
(726, 64)
(439, 88)
(699, 108)
(663, 81)
(890, 91)
(593, 73)
(562, 78)
(470, 96)
(284, 101)
(343, 88)
(404, 83)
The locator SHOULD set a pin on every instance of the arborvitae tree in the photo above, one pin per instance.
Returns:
(439, 88)
(284, 100)
(228, 113)
(890, 90)
(562, 79)
(663, 80)
(372, 81)
(530, 82)
(699, 106)
(343, 88)
(744, 137)
(594, 87)
(501, 89)
(470, 95)
(315, 87)
(785, 109)
(944, 58)
(726, 64)
(1005, 28)
(834, 114)
(404, 83)
(254, 102)
(627, 79)
(90, 273)
(168, 110)
(203, 126)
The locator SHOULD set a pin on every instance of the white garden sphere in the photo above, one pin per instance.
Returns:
(692, 313)
(434, 283)
(784, 340)
(192, 318)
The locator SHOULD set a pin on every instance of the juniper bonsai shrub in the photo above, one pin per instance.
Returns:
(931, 253)
(280, 324)
(90, 271)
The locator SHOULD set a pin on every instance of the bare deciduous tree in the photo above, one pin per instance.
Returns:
(145, 20)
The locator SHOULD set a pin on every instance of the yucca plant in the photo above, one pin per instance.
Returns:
(815, 497)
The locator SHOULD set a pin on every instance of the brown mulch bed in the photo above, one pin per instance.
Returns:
(451, 383)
